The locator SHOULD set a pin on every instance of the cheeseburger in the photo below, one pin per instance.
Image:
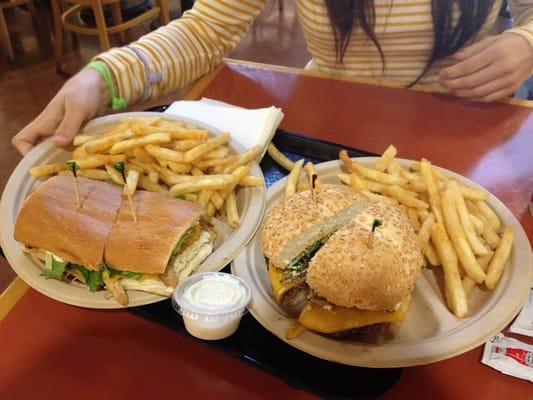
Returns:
(359, 272)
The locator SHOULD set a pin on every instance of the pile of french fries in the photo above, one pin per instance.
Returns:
(455, 227)
(166, 156)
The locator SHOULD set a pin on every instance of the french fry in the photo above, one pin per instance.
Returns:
(501, 255)
(377, 176)
(102, 143)
(142, 156)
(179, 168)
(237, 174)
(153, 176)
(232, 214)
(413, 218)
(192, 197)
(156, 138)
(404, 197)
(161, 153)
(211, 144)
(114, 175)
(210, 209)
(204, 197)
(279, 157)
(475, 244)
(473, 194)
(346, 161)
(99, 160)
(489, 235)
(468, 284)
(434, 196)
(386, 158)
(422, 214)
(251, 181)
(292, 178)
(96, 174)
(207, 182)
(395, 169)
(221, 152)
(376, 198)
(245, 158)
(458, 237)
(356, 182)
(452, 279)
(423, 237)
(489, 215)
(81, 139)
(477, 223)
(79, 153)
(196, 172)
(215, 162)
(49, 169)
(184, 145)
(150, 186)
(217, 200)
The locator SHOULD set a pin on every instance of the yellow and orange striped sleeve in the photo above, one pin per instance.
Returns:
(182, 51)
(522, 13)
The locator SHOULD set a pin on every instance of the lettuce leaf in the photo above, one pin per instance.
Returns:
(93, 279)
(53, 268)
(183, 238)
(125, 274)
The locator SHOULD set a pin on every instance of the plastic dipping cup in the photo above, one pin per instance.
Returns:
(212, 304)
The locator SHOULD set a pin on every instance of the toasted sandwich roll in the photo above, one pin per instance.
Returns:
(356, 268)
(161, 220)
(50, 219)
(298, 222)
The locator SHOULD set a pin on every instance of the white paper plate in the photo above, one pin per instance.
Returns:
(250, 202)
(430, 332)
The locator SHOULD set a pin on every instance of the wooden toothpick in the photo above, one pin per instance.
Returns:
(73, 167)
(120, 167)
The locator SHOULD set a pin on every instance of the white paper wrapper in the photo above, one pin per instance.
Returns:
(509, 356)
(523, 324)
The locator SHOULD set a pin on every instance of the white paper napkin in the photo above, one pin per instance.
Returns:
(249, 127)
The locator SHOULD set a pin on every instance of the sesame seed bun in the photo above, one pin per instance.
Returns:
(347, 273)
(298, 222)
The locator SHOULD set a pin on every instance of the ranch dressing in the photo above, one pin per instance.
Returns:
(212, 304)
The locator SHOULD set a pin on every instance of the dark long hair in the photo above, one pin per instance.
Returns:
(347, 15)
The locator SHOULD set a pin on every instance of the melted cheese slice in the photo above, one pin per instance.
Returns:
(276, 276)
(338, 319)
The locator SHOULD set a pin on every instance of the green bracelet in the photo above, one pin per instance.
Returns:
(115, 103)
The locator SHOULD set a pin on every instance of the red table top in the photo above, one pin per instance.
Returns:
(52, 350)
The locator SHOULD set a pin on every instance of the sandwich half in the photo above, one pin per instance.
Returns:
(361, 278)
(296, 228)
(167, 242)
(101, 246)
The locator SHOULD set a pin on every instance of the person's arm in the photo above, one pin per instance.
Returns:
(495, 67)
(181, 51)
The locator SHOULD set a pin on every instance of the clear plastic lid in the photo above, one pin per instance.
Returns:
(211, 294)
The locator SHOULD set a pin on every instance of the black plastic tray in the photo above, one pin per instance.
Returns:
(254, 344)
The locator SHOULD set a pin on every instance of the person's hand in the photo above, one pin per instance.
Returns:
(490, 69)
(81, 98)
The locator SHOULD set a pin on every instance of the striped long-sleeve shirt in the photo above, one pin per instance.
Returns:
(191, 46)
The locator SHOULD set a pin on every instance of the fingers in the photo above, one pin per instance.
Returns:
(73, 118)
(25, 139)
(484, 89)
(475, 48)
(472, 64)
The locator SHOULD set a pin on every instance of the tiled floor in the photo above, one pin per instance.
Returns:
(27, 85)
